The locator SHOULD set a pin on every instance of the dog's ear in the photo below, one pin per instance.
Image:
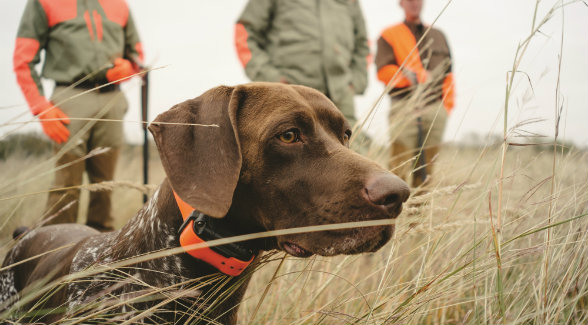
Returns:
(202, 162)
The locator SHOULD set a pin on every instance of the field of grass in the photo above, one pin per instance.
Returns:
(441, 266)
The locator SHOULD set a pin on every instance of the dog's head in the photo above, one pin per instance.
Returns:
(278, 157)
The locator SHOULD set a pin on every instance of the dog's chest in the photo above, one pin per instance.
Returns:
(129, 250)
(7, 287)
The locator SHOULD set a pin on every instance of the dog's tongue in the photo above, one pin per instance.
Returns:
(296, 250)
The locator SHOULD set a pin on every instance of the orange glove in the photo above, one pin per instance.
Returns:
(122, 69)
(54, 128)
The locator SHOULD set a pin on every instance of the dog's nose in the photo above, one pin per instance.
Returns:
(388, 191)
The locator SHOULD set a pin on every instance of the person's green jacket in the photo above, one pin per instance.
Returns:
(317, 43)
(81, 40)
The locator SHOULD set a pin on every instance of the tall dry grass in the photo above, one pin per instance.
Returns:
(440, 266)
(500, 238)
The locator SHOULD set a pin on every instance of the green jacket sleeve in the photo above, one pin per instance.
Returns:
(361, 51)
(251, 41)
(133, 47)
(31, 39)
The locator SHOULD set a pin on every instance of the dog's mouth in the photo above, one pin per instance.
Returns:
(330, 243)
(295, 250)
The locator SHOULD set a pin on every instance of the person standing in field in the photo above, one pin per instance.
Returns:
(90, 47)
(319, 44)
(422, 92)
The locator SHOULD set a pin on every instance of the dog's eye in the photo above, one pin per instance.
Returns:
(289, 136)
(346, 137)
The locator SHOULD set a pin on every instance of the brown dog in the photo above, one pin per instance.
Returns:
(278, 159)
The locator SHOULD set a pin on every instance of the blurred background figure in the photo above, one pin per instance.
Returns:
(319, 44)
(87, 44)
(422, 92)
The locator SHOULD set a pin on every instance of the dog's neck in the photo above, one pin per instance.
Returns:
(155, 228)
(159, 222)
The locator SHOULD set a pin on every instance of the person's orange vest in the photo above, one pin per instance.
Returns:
(403, 42)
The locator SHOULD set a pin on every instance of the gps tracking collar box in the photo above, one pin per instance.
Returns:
(198, 228)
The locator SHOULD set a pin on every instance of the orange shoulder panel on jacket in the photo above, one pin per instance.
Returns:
(403, 42)
(58, 11)
(116, 11)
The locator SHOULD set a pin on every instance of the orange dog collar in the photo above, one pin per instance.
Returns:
(230, 259)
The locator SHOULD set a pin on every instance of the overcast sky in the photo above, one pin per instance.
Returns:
(193, 41)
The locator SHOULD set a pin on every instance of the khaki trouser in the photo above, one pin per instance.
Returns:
(86, 136)
(404, 134)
